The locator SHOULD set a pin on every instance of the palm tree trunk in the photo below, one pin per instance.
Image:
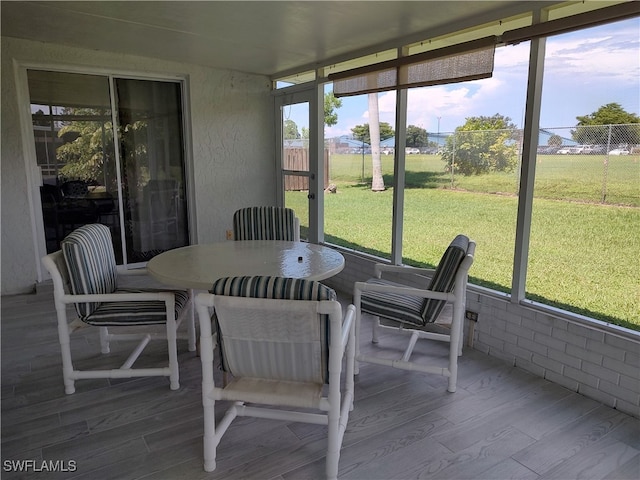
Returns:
(377, 182)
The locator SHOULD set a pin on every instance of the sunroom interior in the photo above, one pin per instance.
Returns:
(233, 82)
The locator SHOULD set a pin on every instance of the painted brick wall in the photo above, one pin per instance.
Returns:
(597, 360)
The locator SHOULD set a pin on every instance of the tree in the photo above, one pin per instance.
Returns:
(89, 153)
(331, 104)
(377, 181)
(361, 132)
(609, 125)
(290, 130)
(417, 137)
(554, 140)
(90, 156)
(482, 145)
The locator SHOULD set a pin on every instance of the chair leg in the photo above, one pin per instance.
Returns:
(212, 435)
(375, 328)
(210, 442)
(65, 349)
(172, 346)
(333, 442)
(104, 340)
(453, 356)
(350, 366)
(356, 302)
(453, 378)
(191, 323)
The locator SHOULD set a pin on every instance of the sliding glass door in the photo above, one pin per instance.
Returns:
(130, 178)
(152, 167)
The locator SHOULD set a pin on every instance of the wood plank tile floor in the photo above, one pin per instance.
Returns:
(502, 423)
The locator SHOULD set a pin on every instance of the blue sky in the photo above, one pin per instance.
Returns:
(583, 71)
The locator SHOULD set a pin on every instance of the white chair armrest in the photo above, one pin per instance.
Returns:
(379, 268)
(417, 292)
(117, 297)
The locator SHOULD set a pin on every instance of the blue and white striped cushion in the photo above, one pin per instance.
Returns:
(264, 223)
(135, 313)
(403, 308)
(88, 253)
(281, 289)
(272, 287)
(417, 310)
(444, 277)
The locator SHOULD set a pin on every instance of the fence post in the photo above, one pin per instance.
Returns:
(362, 176)
(453, 158)
(606, 168)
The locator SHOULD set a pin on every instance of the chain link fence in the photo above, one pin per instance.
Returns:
(594, 164)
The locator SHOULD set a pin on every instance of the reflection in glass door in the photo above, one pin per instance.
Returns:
(73, 132)
(130, 179)
(152, 167)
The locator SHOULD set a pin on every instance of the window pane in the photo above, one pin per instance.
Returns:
(151, 146)
(73, 135)
(586, 210)
(463, 177)
(356, 216)
(296, 191)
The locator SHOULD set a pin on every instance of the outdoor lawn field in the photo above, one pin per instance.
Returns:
(583, 253)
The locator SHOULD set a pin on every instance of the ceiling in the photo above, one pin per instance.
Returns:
(263, 37)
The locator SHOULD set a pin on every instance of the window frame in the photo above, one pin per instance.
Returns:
(517, 294)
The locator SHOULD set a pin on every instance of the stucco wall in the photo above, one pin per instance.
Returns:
(231, 133)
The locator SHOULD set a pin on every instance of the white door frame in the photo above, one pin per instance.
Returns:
(303, 94)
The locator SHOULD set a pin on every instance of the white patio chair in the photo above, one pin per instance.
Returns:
(281, 339)
(85, 274)
(266, 223)
(406, 309)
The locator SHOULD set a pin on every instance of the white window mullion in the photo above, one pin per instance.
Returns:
(399, 176)
(527, 174)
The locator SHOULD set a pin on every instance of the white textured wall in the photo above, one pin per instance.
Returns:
(232, 142)
(18, 250)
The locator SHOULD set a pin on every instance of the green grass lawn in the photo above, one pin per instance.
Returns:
(580, 178)
(576, 243)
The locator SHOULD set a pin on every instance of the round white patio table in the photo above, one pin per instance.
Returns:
(198, 266)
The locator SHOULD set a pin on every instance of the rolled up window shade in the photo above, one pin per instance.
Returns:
(458, 63)
(378, 81)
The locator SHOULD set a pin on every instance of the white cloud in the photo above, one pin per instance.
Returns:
(600, 55)
(512, 56)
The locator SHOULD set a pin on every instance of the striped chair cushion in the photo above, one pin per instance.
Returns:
(264, 223)
(88, 253)
(417, 310)
(443, 279)
(135, 313)
(403, 308)
(273, 288)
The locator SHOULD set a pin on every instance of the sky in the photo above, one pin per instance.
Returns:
(584, 70)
